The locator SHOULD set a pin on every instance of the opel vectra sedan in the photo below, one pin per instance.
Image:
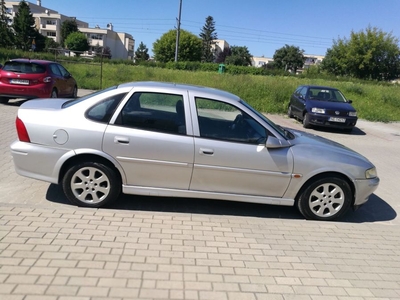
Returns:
(175, 140)
(322, 106)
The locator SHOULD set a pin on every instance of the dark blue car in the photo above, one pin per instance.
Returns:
(322, 106)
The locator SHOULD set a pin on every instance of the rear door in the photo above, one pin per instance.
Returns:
(150, 140)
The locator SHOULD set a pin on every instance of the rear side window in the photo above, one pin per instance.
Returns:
(154, 112)
(24, 67)
(103, 111)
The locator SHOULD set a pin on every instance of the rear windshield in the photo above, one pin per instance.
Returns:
(24, 67)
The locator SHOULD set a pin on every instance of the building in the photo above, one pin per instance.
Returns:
(259, 61)
(49, 22)
(219, 46)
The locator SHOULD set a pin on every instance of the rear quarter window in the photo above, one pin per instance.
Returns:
(103, 111)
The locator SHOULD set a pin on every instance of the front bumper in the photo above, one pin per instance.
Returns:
(323, 120)
(364, 189)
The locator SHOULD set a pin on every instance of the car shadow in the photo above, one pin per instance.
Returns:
(355, 131)
(375, 210)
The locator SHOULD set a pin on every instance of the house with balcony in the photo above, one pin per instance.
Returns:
(49, 22)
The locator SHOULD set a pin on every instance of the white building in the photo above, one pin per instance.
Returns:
(48, 22)
(259, 61)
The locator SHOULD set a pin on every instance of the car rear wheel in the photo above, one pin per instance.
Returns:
(54, 93)
(75, 92)
(289, 112)
(3, 100)
(306, 120)
(91, 184)
(326, 199)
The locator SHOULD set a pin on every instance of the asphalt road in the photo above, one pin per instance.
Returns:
(379, 142)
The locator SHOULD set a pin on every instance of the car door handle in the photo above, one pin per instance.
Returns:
(121, 140)
(206, 151)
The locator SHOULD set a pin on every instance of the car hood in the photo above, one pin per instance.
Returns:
(330, 105)
(323, 145)
(44, 104)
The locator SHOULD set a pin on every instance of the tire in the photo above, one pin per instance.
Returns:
(289, 112)
(306, 120)
(75, 92)
(54, 94)
(91, 184)
(327, 198)
(3, 100)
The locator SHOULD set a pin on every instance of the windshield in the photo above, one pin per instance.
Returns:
(282, 131)
(326, 94)
(77, 100)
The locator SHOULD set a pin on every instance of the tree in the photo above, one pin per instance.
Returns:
(50, 45)
(24, 27)
(289, 58)
(370, 54)
(77, 42)
(141, 53)
(208, 35)
(6, 34)
(240, 56)
(189, 47)
(68, 27)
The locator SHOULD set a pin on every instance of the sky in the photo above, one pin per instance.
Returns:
(263, 26)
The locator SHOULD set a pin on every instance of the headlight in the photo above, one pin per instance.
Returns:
(371, 173)
(318, 110)
(353, 114)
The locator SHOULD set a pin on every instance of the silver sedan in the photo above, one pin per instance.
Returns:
(165, 139)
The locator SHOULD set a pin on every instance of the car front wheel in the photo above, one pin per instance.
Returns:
(91, 184)
(306, 120)
(326, 199)
(289, 112)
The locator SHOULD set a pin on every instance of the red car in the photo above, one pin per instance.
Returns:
(29, 79)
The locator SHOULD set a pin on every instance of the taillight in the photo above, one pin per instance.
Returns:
(23, 135)
(47, 79)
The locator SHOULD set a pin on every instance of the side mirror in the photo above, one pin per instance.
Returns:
(273, 143)
(349, 101)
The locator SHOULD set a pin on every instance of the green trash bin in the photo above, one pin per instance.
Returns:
(221, 69)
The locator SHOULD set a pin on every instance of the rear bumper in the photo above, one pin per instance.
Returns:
(26, 92)
(323, 120)
(38, 162)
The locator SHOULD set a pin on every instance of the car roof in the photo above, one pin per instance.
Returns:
(187, 87)
(319, 87)
(27, 60)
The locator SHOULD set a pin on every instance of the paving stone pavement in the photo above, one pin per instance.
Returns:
(151, 248)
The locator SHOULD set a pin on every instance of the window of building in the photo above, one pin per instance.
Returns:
(51, 22)
(96, 36)
(51, 33)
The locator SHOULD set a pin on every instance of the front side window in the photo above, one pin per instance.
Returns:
(154, 112)
(223, 121)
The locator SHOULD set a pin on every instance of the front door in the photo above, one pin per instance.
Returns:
(231, 157)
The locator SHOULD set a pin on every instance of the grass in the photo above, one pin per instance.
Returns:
(268, 94)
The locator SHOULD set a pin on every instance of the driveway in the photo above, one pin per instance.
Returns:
(169, 248)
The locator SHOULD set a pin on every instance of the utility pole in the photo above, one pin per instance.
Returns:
(178, 31)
